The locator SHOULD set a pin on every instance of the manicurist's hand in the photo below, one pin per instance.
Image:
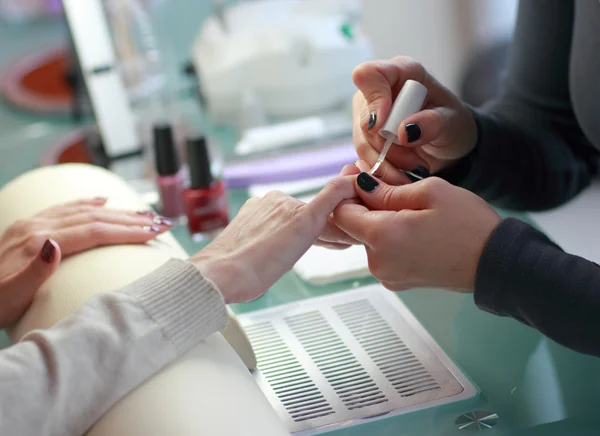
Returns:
(425, 234)
(266, 239)
(31, 249)
(431, 139)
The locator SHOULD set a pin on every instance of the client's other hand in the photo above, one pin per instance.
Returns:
(427, 233)
(266, 239)
(31, 249)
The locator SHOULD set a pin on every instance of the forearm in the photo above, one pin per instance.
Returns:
(60, 381)
(522, 274)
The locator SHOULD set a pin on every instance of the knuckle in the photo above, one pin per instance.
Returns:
(388, 196)
(393, 286)
(90, 216)
(34, 241)
(337, 185)
(362, 147)
(96, 230)
(362, 71)
(433, 187)
(274, 196)
(377, 236)
(376, 268)
(83, 209)
(412, 67)
(22, 227)
(375, 99)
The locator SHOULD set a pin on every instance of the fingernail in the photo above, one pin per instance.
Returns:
(372, 120)
(421, 172)
(163, 221)
(100, 198)
(413, 131)
(48, 251)
(148, 213)
(151, 229)
(366, 182)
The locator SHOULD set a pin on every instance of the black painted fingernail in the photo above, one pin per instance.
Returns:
(48, 251)
(421, 172)
(372, 120)
(366, 182)
(413, 131)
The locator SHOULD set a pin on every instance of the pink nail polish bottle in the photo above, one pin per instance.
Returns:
(169, 177)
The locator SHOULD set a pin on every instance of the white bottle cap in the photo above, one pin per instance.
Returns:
(409, 101)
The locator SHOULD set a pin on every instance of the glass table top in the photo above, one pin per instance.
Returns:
(532, 384)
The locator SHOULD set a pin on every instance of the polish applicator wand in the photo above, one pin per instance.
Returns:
(409, 101)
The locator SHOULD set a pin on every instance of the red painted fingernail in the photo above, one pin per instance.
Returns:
(48, 251)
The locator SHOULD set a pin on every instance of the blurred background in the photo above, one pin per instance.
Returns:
(86, 80)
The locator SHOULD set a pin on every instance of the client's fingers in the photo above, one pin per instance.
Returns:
(110, 216)
(333, 234)
(336, 191)
(350, 170)
(71, 207)
(361, 223)
(86, 236)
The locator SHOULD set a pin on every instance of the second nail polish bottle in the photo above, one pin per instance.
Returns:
(169, 178)
(205, 200)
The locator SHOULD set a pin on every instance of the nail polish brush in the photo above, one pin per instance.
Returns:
(409, 101)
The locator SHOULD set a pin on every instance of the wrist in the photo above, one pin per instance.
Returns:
(487, 230)
(231, 277)
(212, 269)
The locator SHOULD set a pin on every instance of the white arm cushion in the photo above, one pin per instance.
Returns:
(198, 394)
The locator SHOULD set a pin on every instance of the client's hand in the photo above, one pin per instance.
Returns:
(31, 249)
(428, 233)
(266, 239)
(332, 236)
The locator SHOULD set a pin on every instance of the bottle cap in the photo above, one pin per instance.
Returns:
(198, 162)
(165, 151)
(409, 101)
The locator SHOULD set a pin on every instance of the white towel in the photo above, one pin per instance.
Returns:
(321, 266)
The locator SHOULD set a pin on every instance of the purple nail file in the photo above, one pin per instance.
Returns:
(297, 166)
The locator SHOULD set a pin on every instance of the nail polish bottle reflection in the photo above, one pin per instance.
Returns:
(169, 177)
(206, 199)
